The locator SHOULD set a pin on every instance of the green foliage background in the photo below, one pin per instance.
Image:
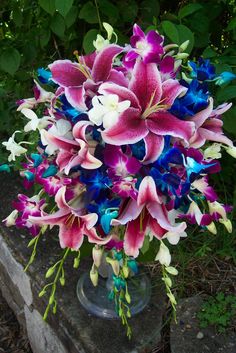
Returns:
(34, 33)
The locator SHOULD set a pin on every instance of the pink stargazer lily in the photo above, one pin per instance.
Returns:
(209, 126)
(75, 152)
(147, 118)
(79, 79)
(73, 222)
(147, 214)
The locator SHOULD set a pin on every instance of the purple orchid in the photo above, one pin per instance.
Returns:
(28, 206)
(148, 47)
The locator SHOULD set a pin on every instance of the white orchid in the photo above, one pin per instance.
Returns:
(163, 255)
(34, 122)
(61, 128)
(15, 148)
(41, 96)
(100, 41)
(213, 152)
(106, 110)
(174, 237)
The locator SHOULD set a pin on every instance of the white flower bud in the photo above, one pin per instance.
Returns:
(163, 255)
(11, 219)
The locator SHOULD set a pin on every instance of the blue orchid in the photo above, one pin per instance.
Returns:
(107, 208)
(70, 112)
(50, 171)
(96, 181)
(44, 76)
(37, 159)
(5, 168)
(202, 71)
(225, 77)
(195, 99)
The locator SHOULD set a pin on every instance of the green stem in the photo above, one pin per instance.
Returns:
(54, 284)
(98, 14)
(32, 257)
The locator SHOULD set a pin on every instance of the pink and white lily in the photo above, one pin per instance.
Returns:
(83, 78)
(147, 118)
(209, 126)
(73, 222)
(146, 215)
(76, 152)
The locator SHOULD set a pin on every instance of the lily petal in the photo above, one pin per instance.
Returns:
(66, 74)
(103, 62)
(154, 145)
(147, 192)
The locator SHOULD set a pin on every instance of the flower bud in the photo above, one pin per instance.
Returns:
(76, 262)
(94, 276)
(172, 270)
(167, 281)
(97, 255)
(212, 228)
(231, 151)
(184, 46)
(11, 219)
(114, 264)
(163, 255)
(227, 223)
(127, 297)
(62, 281)
(172, 298)
(50, 271)
(181, 56)
(125, 269)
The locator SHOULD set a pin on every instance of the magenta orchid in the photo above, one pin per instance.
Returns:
(148, 47)
(126, 144)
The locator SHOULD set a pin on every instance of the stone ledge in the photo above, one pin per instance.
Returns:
(72, 329)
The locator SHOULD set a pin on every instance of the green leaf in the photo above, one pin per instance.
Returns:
(89, 37)
(63, 6)
(171, 31)
(186, 34)
(44, 36)
(209, 53)
(226, 94)
(188, 10)
(129, 10)
(89, 13)
(58, 25)
(178, 34)
(71, 16)
(109, 9)
(10, 60)
(17, 16)
(149, 9)
(231, 25)
(48, 6)
(229, 119)
(145, 246)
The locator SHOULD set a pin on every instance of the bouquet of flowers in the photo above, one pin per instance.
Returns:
(126, 139)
